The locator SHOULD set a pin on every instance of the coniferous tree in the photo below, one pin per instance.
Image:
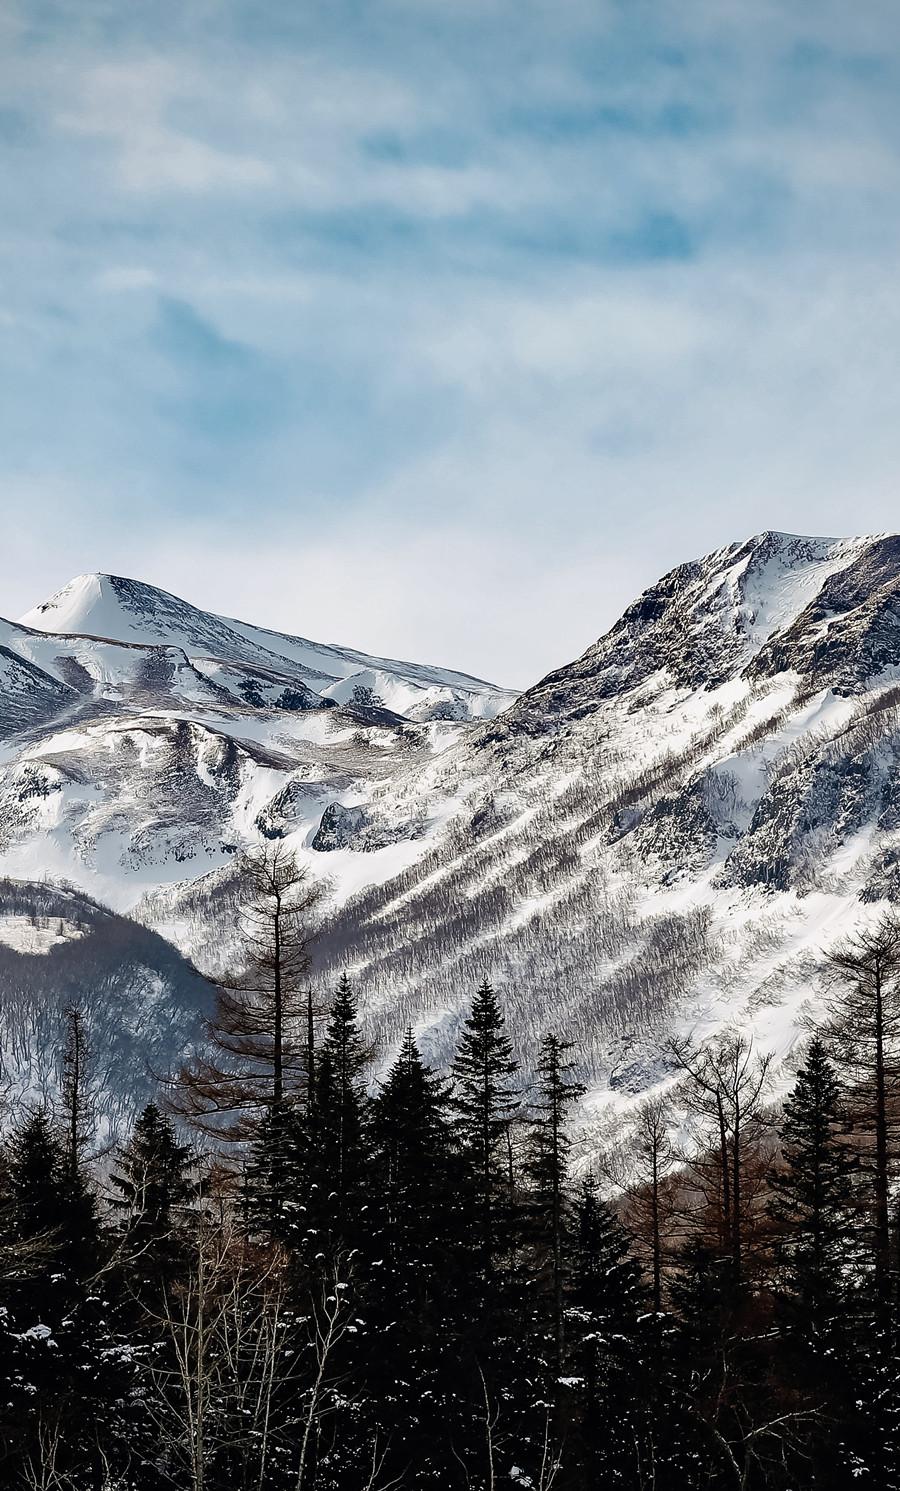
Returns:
(486, 1101)
(813, 1211)
(813, 1197)
(49, 1203)
(547, 1168)
(341, 1136)
(69, 1369)
(419, 1304)
(605, 1301)
(413, 1141)
(865, 1031)
(77, 1103)
(154, 1187)
(259, 1032)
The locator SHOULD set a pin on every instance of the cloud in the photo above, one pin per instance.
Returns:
(442, 328)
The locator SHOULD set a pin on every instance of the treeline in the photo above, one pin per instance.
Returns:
(353, 1285)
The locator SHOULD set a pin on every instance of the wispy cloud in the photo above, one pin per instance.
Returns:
(442, 326)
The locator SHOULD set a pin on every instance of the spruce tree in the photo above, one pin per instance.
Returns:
(77, 1099)
(412, 1138)
(547, 1169)
(813, 1201)
(605, 1302)
(154, 1187)
(70, 1370)
(341, 1129)
(52, 1208)
(416, 1302)
(485, 1101)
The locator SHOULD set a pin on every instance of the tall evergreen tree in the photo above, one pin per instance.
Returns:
(154, 1187)
(547, 1168)
(486, 1100)
(49, 1203)
(341, 1128)
(813, 1201)
(69, 1372)
(77, 1104)
(413, 1140)
(418, 1305)
(605, 1302)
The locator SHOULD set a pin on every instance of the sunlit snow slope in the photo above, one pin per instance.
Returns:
(109, 606)
(663, 834)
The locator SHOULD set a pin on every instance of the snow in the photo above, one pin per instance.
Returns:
(128, 803)
(789, 578)
(128, 611)
(35, 937)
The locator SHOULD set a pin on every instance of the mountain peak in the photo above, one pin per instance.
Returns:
(775, 602)
(115, 608)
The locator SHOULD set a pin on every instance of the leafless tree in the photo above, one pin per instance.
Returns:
(652, 1156)
(725, 1090)
(262, 1033)
(864, 1026)
(214, 1391)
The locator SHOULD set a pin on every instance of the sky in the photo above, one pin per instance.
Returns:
(441, 328)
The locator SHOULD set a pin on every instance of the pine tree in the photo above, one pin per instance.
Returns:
(154, 1188)
(813, 1200)
(416, 1308)
(605, 1302)
(486, 1102)
(341, 1119)
(51, 1208)
(77, 1104)
(412, 1137)
(70, 1371)
(547, 1169)
(842, 1351)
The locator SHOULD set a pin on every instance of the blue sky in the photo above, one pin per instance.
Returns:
(441, 327)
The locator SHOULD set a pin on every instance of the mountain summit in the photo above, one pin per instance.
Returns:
(110, 607)
(661, 836)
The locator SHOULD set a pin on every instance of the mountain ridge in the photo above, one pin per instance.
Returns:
(113, 608)
(661, 835)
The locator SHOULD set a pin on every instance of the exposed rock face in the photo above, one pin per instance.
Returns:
(663, 834)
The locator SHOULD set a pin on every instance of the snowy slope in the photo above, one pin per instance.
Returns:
(142, 1003)
(666, 833)
(663, 834)
(109, 606)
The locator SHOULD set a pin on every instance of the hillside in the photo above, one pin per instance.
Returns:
(661, 835)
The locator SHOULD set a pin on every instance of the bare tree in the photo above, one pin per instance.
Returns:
(726, 1090)
(262, 1033)
(329, 1320)
(217, 1388)
(652, 1155)
(864, 1028)
(76, 1097)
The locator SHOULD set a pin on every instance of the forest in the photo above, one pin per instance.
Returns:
(304, 1271)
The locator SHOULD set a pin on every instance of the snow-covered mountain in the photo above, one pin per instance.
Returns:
(255, 663)
(663, 834)
(141, 1001)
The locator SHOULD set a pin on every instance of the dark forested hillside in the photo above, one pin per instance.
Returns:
(408, 1282)
(143, 1004)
